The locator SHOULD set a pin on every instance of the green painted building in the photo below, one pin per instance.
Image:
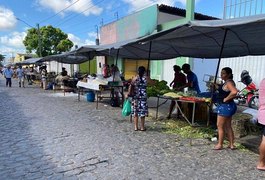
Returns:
(145, 22)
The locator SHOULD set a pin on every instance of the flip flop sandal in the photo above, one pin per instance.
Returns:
(261, 168)
(217, 148)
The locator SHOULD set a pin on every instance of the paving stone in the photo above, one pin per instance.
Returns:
(45, 135)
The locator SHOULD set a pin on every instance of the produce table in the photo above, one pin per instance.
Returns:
(191, 100)
(100, 89)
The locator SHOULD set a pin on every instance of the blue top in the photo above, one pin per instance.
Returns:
(191, 76)
(8, 73)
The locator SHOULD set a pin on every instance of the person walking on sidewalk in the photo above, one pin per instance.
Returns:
(8, 73)
(20, 74)
(43, 77)
(261, 120)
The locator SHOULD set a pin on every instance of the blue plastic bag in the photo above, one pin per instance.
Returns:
(126, 110)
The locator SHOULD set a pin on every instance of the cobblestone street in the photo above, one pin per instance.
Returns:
(45, 135)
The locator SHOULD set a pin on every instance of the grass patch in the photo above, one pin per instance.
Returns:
(186, 131)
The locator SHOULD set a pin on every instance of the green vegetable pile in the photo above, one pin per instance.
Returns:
(159, 88)
(186, 131)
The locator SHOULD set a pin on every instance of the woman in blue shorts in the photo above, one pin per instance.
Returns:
(226, 108)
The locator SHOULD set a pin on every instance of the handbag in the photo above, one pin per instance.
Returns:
(126, 110)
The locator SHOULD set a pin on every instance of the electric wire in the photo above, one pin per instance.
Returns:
(75, 15)
(59, 12)
(109, 20)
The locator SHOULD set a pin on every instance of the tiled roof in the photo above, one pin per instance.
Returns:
(182, 12)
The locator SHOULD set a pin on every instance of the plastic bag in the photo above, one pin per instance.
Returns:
(126, 110)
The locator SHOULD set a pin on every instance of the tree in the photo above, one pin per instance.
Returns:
(2, 57)
(53, 41)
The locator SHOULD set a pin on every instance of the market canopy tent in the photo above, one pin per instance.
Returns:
(200, 39)
(67, 58)
(29, 61)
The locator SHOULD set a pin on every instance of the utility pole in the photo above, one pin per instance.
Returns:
(97, 39)
(116, 14)
(39, 40)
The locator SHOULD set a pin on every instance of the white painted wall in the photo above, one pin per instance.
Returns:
(56, 67)
(168, 72)
(255, 65)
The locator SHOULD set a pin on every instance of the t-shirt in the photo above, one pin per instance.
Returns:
(64, 73)
(191, 76)
(8, 73)
(20, 72)
(179, 80)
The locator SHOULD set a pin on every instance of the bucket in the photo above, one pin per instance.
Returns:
(90, 96)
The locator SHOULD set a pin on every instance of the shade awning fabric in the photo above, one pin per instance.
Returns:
(67, 58)
(200, 39)
(29, 61)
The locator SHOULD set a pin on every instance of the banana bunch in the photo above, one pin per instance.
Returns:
(172, 95)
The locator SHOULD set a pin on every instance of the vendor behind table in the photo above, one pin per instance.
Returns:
(192, 84)
(179, 81)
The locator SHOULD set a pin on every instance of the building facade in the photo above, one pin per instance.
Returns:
(145, 22)
(254, 64)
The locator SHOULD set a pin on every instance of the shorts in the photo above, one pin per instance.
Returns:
(263, 129)
(21, 79)
(226, 109)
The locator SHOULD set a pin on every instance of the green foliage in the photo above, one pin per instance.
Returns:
(186, 131)
(158, 88)
(53, 41)
(2, 57)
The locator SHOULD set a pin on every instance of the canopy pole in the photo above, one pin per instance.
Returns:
(216, 74)
(149, 57)
(117, 56)
(220, 56)
(88, 67)
(57, 67)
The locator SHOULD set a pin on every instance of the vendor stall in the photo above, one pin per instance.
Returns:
(192, 107)
(103, 90)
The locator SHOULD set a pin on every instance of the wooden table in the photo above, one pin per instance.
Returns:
(99, 91)
(191, 121)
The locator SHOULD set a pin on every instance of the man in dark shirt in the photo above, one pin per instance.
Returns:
(178, 81)
(192, 84)
(64, 72)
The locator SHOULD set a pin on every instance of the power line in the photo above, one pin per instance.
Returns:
(59, 12)
(24, 22)
(99, 18)
(92, 29)
(80, 13)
